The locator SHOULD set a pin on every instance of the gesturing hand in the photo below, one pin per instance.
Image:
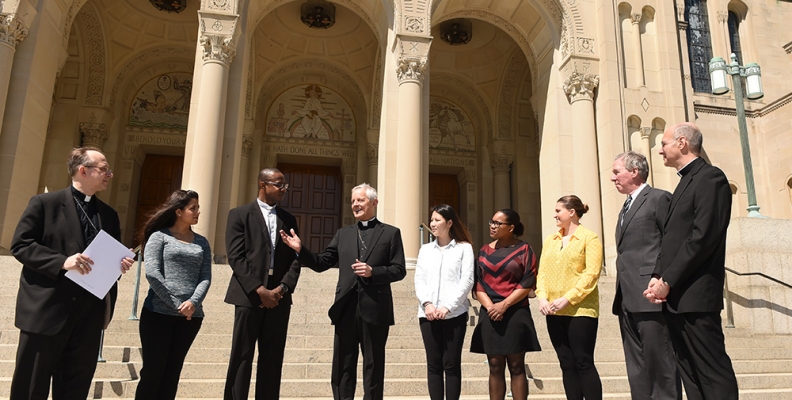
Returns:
(292, 241)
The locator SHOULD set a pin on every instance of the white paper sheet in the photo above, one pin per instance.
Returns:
(106, 253)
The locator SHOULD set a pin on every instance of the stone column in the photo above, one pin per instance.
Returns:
(12, 31)
(411, 70)
(372, 152)
(218, 48)
(246, 178)
(580, 89)
(646, 149)
(93, 134)
(501, 182)
(639, 66)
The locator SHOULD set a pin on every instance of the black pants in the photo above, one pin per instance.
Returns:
(165, 341)
(68, 358)
(353, 336)
(268, 327)
(705, 367)
(573, 339)
(443, 342)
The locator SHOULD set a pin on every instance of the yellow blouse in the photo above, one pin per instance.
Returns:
(571, 272)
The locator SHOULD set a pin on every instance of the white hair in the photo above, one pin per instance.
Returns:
(371, 193)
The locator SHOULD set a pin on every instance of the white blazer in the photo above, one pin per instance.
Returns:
(444, 277)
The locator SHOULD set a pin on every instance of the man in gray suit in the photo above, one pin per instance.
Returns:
(651, 366)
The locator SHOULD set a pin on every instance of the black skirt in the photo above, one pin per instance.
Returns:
(515, 333)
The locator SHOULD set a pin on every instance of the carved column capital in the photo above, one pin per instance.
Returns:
(93, 134)
(723, 16)
(646, 131)
(372, 153)
(501, 164)
(217, 36)
(12, 30)
(635, 18)
(411, 69)
(580, 86)
(247, 145)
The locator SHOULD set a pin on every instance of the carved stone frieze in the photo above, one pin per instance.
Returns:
(501, 164)
(96, 55)
(580, 86)
(93, 134)
(585, 45)
(372, 153)
(414, 24)
(635, 18)
(219, 5)
(247, 145)
(470, 90)
(186, 53)
(12, 30)
(411, 69)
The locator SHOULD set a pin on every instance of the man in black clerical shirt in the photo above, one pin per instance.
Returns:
(369, 255)
(60, 322)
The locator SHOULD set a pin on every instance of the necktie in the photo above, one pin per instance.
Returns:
(625, 208)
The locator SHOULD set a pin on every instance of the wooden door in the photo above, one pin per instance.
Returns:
(444, 189)
(314, 198)
(160, 176)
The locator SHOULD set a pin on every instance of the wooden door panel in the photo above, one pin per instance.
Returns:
(314, 198)
(159, 177)
(444, 189)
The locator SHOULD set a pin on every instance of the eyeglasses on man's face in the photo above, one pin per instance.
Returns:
(279, 185)
(497, 224)
(102, 170)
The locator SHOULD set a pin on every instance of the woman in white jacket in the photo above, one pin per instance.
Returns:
(443, 279)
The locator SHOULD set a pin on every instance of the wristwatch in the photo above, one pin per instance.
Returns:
(284, 288)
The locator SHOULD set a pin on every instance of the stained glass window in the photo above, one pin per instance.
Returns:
(699, 44)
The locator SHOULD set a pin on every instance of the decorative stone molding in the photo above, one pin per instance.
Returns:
(501, 164)
(308, 65)
(376, 93)
(511, 81)
(585, 45)
(217, 37)
(96, 54)
(411, 70)
(247, 145)
(93, 134)
(646, 131)
(471, 90)
(635, 18)
(186, 53)
(12, 30)
(680, 11)
(414, 24)
(219, 5)
(372, 153)
(580, 86)
(723, 16)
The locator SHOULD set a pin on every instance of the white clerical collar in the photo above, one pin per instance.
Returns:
(87, 197)
(365, 223)
(679, 171)
(265, 206)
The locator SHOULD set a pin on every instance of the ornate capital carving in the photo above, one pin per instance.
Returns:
(12, 30)
(411, 70)
(247, 145)
(501, 164)
(723, 16)
(646, 131)
(218, 48)
(93, 134)
(580, 86)
(635, 18)
(372, 153)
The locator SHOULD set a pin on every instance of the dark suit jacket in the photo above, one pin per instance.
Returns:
(692, 256)
(249, 247)
(385, 255)
(638, 240)
(48, 233)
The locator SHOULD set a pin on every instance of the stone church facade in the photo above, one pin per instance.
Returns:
(482, 104)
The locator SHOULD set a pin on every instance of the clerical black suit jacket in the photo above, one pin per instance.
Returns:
(249, 247)
(638, 239)
(692, 256)
(385, 255)
(47, 234)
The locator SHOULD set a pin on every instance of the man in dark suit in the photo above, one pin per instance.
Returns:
(651, 368)
(369, 256)
(265, 275)
(61, 323)
(689, 273)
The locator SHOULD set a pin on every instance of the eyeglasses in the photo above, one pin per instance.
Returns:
(279, 185)
(663, 144)
(102, 170)
(497, 224)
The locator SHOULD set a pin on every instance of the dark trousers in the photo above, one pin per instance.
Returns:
(165, 341)
(443, 342)
(649, 355)
(68, 358)
(268, 327)
(701, 356)
(352, 336)
(573, 339)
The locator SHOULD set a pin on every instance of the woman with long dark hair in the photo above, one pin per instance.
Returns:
(567, 290)
(443, 279)
(506, 278)
(179, 271)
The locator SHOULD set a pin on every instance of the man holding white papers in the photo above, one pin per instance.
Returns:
(60, 322)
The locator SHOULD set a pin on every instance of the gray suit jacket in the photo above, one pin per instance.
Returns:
(638, 241)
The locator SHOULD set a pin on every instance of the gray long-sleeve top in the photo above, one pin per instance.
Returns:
(177, 272)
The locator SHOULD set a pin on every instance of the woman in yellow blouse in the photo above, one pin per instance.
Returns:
(566, 287)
